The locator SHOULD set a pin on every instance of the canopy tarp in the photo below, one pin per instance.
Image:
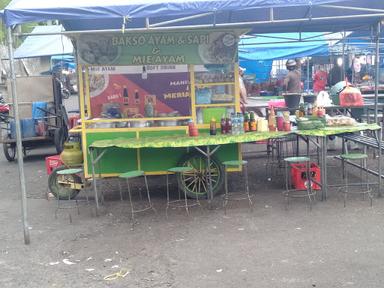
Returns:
(44, 45)
(257, 52)
(263, 16)
(282, 46)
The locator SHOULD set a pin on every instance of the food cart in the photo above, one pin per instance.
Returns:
(135, 85)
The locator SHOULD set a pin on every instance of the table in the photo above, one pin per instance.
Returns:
(212, 144)
(334, 131)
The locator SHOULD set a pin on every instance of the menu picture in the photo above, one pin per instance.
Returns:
(140, 91)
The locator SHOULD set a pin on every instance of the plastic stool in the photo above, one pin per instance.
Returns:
(236, 196)
(297, 193)
(67, 173)
(180, 203)
(130, 175)
(363, 162)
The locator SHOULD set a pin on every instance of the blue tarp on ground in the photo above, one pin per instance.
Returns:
(100, 14)
(37, 46)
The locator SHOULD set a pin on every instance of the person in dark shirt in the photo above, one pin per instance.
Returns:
(335, 75)
(292, 82)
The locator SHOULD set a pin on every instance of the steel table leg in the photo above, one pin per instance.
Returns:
(94, 182)
(378, 136)
(324, 178)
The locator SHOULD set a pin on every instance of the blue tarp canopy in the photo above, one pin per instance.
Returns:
(257, 52)
(365, 41)
(44, 45)
(260, 15)
(282, 46)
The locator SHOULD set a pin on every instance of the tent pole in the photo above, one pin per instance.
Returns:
(308, 68)
(343, 57)
(20, 162)
(377, 68)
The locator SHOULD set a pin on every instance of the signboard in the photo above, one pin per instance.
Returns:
(148, 48)
(140, 91)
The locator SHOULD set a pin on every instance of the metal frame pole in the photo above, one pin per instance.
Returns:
(379, 168)
(343, 57)
(20, 160)
(377, 70)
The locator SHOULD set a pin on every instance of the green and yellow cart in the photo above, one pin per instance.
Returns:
(148, 86)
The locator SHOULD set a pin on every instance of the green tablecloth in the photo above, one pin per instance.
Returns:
(205, 139)
(327, 131)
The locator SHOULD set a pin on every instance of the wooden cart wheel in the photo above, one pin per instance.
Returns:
(9, 151)
(195, 182)
(59, 185)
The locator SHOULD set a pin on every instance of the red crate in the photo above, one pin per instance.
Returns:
(52, 162)
(299, 176)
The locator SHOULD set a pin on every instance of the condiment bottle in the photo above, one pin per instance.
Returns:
(246, 122)
(252, 122)
(192, 129)
(301, 110)
(272, 120)
(222, 125)
(212, 127)
(228, 124)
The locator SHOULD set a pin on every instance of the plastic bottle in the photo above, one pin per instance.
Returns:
(212, 127)
(235, 124)
(241, 121)
(246, 122)
(223, 125)
(228, 124)
(272, 120)
(252, 122)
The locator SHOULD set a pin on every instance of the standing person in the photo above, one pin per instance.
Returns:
(243, 91)
(335, 74)
(319, 80)
(292, 82)
(354, 72)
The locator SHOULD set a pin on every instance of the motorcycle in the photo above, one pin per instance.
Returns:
(4, 110)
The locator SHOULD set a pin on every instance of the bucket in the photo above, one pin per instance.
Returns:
(309, 99)
(292, 100)
(36, 112)
(28, 128)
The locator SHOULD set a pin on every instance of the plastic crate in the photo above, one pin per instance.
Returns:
(299, 176)
(52, 162)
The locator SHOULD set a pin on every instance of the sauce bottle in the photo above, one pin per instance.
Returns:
(246, 122)
(252, 122)
(272, 120)
(222, 125)
(212, 127)
(192, 129)
(228, 124)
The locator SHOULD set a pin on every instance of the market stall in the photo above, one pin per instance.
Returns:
(162, 82)
(261, 16)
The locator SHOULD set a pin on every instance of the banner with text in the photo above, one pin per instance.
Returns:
(149, 48)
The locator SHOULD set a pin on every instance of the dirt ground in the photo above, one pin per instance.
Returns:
(330, 246)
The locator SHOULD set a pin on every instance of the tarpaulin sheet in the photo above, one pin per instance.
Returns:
(100, 14)
(282, 46)
(44, 45)
(206, 139)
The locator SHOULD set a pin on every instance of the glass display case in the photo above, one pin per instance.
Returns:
(215, 91)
